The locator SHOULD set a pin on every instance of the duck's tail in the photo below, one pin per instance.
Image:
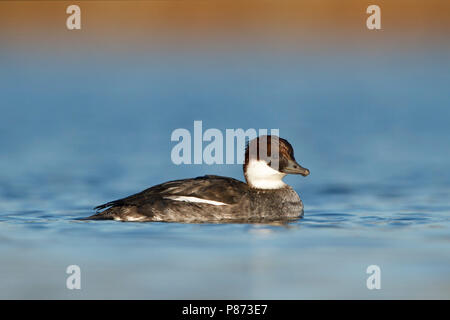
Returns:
(104, 215)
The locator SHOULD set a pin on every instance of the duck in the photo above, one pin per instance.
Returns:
(263, 197)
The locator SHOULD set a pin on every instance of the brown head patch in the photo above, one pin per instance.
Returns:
(274, 150)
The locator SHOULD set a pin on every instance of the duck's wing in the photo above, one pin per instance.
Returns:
(210, 188)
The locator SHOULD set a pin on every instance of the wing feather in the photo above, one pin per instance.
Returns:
(214, 188)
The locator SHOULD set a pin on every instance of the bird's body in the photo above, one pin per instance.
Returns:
(205, 199)
(265, 197)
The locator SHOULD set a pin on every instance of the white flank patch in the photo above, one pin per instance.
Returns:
(261, 176)
(195, 199)
(131, 218)
(137, 218)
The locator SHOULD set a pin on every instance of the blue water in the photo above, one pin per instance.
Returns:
(80, 130)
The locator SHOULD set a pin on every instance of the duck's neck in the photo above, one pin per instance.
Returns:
(260, 175)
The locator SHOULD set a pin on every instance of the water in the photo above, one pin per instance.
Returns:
(78, 131)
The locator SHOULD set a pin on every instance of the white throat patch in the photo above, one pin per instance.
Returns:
(261, 176)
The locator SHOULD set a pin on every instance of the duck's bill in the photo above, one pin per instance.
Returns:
(294, 168)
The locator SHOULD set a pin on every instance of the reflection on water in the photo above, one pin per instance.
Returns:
(373, 197)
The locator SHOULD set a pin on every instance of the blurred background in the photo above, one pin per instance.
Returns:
(87, 115)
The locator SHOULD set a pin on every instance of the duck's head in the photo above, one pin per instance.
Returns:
(268, 159)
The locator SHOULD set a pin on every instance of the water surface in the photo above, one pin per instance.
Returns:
(80, 131)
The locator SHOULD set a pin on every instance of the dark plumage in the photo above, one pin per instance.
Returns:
(217, 199)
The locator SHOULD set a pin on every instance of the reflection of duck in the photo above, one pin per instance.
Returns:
(264, 197)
